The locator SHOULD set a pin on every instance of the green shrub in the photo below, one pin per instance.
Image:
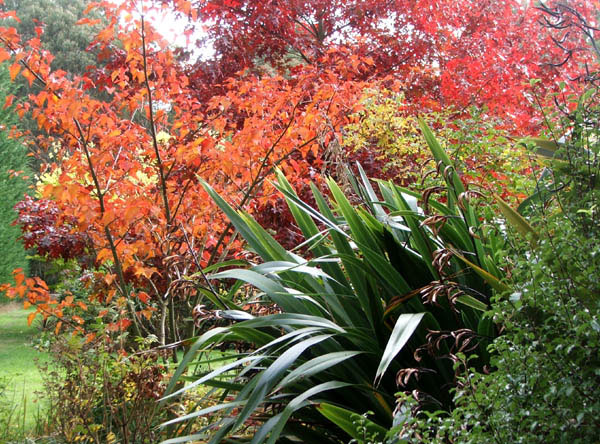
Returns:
(97, 394)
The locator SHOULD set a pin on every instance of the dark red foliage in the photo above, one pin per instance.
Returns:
(47, 231)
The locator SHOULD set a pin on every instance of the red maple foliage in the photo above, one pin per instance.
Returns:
(446, 53)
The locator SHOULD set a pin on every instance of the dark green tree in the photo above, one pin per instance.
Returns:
(14, 171)
(67, 41)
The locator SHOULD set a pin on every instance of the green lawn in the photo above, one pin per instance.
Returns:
(17, 365)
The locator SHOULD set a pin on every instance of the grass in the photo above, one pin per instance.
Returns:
(18, 367)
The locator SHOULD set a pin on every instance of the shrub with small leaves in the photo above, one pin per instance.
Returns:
(97, 394)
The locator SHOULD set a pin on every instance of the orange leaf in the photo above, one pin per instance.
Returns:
(14, 70)
(30, 77)
(109, 278)
(31, 317)
(87, 21)
(8, 101)
(19, 278)
(143, 296)
(4, 55)
(147, 272)
(41, 283)
(103, 255)
(89, 337)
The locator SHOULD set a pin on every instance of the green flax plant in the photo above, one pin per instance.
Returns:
(391, 283)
